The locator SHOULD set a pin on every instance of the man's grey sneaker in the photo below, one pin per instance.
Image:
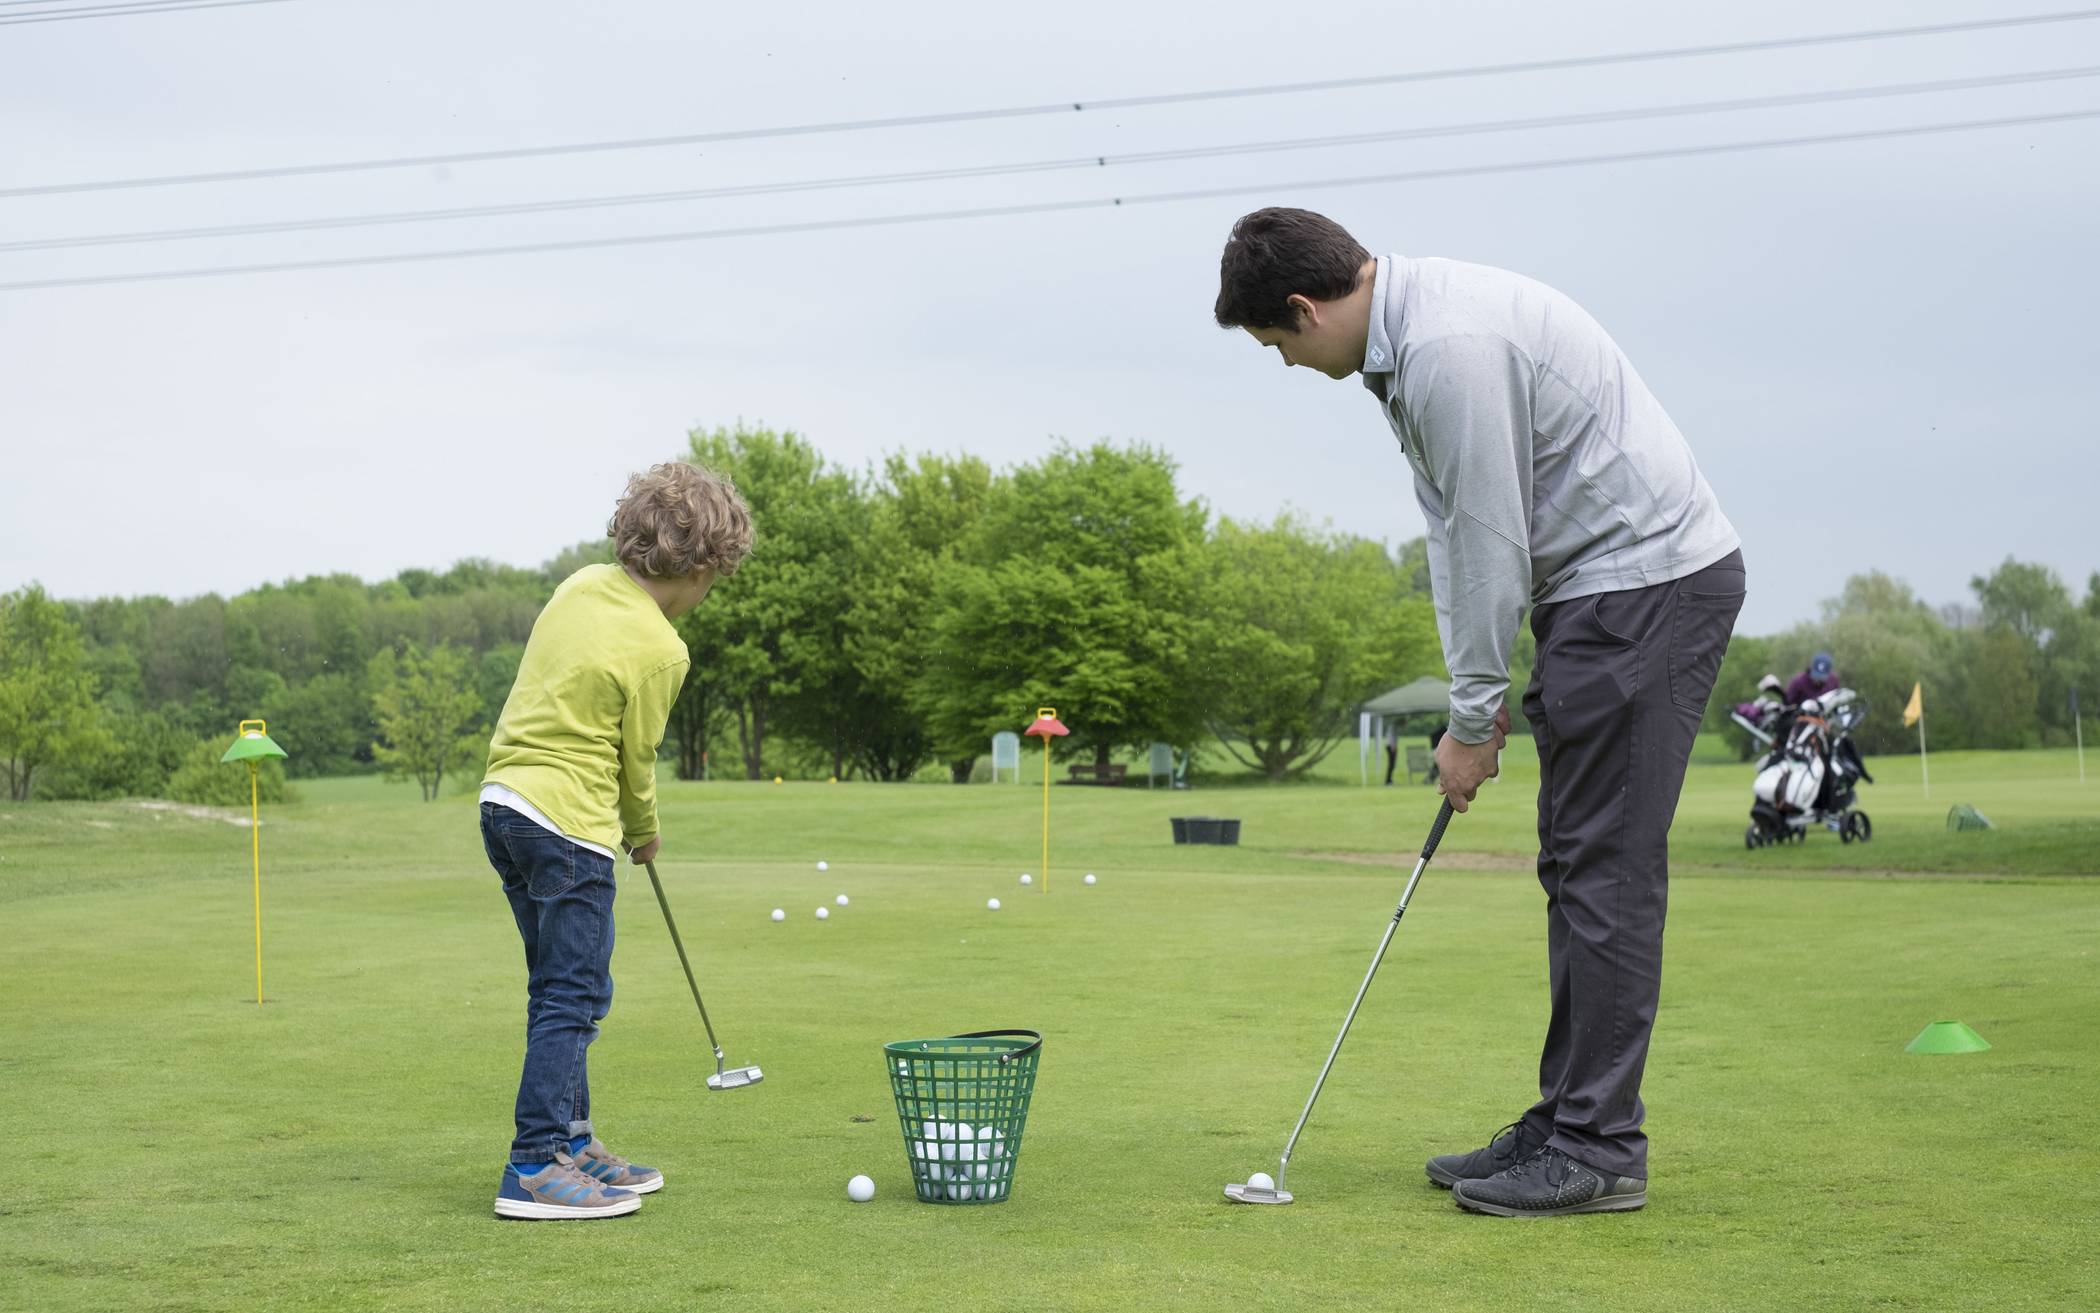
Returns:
(611, 1169)
(1511, 1145)
(560, 1190)
(1548, 1184)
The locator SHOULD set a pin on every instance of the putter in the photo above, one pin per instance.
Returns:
(1241, 1193)
(734, 1078)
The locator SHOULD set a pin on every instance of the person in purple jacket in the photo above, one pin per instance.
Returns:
(1821, 677)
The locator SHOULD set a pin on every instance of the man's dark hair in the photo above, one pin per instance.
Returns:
(1275, 254)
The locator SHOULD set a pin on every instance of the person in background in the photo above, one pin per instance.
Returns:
(1765, 708)
(1820, 678)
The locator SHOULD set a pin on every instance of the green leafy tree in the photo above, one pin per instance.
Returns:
(1079, 588)
(2026, 598)
(700, 717)
(47, 692)
(771, 633)
(2059, 649)
(429, 715)
(1304, 626)
(325, 724)
(921, 512)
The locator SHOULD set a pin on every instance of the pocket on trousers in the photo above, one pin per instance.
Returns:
(1626, 617)
(550, 863)
(1699, 633)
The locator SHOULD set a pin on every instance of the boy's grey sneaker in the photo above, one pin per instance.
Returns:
(560, 1190)
(612, 1170)
(1548, 1184)
(1510, 1146)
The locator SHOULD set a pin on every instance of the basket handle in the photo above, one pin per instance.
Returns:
(1000, 1034)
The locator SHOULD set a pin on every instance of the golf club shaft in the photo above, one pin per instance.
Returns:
(1436, 835)
(679, 944)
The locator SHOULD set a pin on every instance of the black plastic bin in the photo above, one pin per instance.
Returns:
(1206, 829)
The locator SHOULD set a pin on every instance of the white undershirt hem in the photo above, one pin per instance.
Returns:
(503, 797)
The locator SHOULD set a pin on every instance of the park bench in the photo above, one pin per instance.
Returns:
(1088, 773)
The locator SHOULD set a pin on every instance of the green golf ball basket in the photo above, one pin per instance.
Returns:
(962, 1102)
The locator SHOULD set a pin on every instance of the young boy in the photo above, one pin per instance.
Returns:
(1549, 476)
(572, 774)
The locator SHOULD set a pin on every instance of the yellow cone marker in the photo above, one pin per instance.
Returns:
(251, 744)
(1046, 727)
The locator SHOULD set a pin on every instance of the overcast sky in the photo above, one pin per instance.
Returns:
(1882, 352)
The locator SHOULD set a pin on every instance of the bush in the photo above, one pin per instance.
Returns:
(204, 779)
(149, 747)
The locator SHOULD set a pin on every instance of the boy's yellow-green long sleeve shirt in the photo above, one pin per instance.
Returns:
(578, 735)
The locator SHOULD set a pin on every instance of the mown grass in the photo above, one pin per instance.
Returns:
(338, 1147)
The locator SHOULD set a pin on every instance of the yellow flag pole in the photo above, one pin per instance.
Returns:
(1046, 813)
(255, 846)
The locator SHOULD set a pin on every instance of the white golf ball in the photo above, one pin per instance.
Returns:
(823, 914)
(842, 900)
(1026, 878)
(780, 914)
(1089, 877)
(992, 903)
(1261, 1181)
(825, 866)
(860, 1189)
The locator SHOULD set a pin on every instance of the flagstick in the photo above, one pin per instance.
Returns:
(255, 844)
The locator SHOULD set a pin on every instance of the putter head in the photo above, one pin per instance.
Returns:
(735, 1078)
(1254, 1194)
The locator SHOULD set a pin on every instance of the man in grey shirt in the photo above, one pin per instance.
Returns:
(1550, 477)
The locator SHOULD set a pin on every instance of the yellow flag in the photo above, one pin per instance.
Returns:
(1916, 710)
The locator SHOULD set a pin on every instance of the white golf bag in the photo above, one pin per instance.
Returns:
(1793, 776)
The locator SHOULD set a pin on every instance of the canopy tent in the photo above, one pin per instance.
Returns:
(1428, 695)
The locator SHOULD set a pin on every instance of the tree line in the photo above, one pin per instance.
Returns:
(891, 620)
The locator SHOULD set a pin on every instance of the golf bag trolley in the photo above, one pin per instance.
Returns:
(1810, 775)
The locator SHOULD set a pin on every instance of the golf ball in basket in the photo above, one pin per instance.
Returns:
(1026, 878)
(780, 914)
(842, 900)
(823, 914)
(992, 903)
(823, 866)
(860, 1189)
(1261, 1181)
(1089, 877)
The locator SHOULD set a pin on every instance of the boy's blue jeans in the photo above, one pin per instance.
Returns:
(562, 898)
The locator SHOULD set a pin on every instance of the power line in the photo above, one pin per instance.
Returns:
(1051, 165)
(1060, 107)
(1052, 207)
(121, 10)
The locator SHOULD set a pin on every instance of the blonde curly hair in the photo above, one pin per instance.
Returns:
(676, 518)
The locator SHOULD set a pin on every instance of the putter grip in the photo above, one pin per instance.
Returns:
(1436, 831)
